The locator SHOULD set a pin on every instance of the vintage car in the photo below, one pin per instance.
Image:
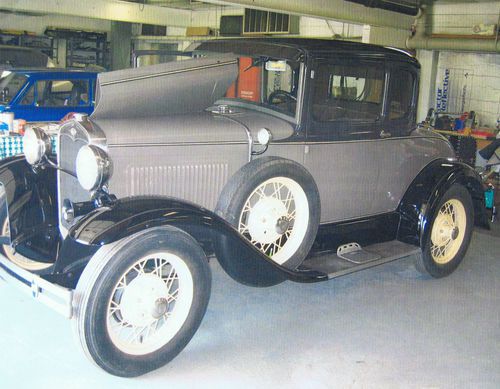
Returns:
(286, 159)
(42, 95)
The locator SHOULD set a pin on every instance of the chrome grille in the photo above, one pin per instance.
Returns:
(71, 138)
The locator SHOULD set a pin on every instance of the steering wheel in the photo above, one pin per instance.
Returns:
(282, 96)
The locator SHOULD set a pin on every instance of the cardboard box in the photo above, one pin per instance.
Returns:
(199, 31)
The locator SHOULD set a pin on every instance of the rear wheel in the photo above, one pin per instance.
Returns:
(141, 300)
(450, 233)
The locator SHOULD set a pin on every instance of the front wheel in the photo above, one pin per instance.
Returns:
(16, 258)
(450, 233)
(140, 300)
(275, 204)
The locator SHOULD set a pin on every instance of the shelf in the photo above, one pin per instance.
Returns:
(83, 47)
(43, 43)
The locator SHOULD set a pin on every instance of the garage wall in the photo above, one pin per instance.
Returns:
(459, 81)
(323, 28)
(385, 36)
(467, 81)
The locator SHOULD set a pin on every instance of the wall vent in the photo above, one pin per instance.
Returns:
(264, 22)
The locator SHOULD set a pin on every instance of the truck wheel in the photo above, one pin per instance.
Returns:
(140, 300)
(450, 234)
(274, 203)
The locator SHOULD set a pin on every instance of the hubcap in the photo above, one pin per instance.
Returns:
(264, 219)
(160, 308)
(448, 231)
(139, 299)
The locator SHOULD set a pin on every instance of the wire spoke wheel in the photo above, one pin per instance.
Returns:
(448, 231)
(150, 303)
(140, 300)
(275, 217)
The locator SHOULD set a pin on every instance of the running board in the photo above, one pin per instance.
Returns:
(335, 266)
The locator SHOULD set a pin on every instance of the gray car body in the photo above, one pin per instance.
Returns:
(178, 144)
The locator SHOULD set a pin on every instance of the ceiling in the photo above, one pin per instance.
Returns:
(195, 4)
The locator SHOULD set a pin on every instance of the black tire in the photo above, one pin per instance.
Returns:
(241, 188)
(107, 300)
(448, 240)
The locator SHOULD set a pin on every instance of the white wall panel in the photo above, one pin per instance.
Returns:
(473, 84)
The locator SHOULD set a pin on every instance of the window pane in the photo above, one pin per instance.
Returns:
(60, 93)
(401, 94)
(347, 92)
(273, 83)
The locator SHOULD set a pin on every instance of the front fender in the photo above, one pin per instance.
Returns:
(419, 204)
(31, 198)
(126, 216)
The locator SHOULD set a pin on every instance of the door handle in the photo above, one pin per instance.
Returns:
(384, 134)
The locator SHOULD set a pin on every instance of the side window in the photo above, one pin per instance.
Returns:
(347, 92)
(401, 96)
(61, 93)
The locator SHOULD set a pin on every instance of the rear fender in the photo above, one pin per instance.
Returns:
(419, 204)
(125, 217)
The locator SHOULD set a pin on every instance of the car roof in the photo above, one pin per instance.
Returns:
(293, 48)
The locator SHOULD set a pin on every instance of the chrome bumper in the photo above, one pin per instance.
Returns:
(54, 296)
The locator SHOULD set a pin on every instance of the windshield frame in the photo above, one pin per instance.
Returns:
(293, 117)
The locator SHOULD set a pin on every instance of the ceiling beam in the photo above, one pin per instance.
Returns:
(327, 9)
(103, 9)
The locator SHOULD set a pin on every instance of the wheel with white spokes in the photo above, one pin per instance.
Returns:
(18, 259)
(274, 203)
(275, 218)
(141, 300)
(450, 233)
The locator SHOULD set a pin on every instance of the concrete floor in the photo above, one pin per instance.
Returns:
(388, 327)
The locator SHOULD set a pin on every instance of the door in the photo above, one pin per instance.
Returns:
(343, 134)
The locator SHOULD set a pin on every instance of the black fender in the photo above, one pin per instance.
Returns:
(31, 197)
(419, 204)
(124, 217)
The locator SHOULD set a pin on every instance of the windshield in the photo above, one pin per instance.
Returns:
(272, 83)
(10, 84)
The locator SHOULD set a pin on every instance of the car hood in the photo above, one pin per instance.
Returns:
(196, 127)
(170, 88)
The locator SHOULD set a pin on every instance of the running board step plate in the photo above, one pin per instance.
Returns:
(336, 266)
(353, 252)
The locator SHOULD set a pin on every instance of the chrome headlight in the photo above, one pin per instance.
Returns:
(36, 145)
(93, 167)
